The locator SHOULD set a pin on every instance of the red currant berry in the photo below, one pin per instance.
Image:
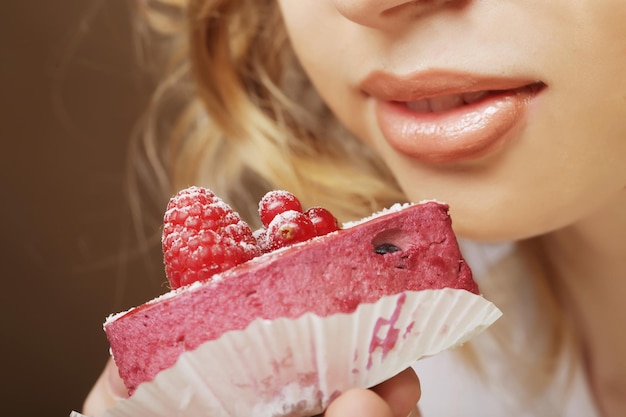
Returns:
(276, 202)
(288, 228)
(323, 220)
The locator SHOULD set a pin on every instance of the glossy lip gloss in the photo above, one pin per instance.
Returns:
(445, 117)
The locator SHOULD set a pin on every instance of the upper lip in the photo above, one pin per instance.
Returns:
(421, 85)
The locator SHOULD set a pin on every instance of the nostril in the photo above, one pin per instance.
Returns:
(387, 14)
(368, 12)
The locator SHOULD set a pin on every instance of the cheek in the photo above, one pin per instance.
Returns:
(312, 29)
(327, 57)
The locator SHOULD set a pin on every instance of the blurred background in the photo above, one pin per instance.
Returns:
(72, 89)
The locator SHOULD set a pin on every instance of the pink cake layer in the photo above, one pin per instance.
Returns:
(326, 275)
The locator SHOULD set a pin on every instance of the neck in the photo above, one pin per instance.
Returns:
(589, 261)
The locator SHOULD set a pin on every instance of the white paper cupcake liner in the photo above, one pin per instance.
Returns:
(295, 367)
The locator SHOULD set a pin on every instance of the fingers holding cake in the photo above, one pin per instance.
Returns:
(395, 397)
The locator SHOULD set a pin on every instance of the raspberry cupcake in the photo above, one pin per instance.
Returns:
(281, 320)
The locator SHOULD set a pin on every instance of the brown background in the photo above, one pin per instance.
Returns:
(71, 90)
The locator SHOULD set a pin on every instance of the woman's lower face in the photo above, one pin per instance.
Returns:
(513, 112)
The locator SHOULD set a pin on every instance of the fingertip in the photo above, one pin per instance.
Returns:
(358, 402)
(401, 392)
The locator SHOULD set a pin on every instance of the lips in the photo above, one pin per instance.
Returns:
(444, 117)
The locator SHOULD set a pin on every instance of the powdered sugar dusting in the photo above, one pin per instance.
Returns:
(394, 208)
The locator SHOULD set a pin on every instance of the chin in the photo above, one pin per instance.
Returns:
(484, 229)
(489, 234)
(478, 220)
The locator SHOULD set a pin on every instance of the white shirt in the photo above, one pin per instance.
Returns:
(450, 388)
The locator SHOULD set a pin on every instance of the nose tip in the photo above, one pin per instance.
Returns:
(382, 13)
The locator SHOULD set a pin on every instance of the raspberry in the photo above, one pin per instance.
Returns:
(288, 228)
(323, 220)
(203, 236)
(276, 202)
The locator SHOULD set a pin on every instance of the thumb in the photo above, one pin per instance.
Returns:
(107, 391)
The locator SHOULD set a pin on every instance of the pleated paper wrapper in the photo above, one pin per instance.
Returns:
(296, 367)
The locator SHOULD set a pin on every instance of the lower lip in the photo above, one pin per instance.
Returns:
(464, 133)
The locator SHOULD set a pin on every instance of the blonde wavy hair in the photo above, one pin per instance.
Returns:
(234, 112)
(240, 117)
